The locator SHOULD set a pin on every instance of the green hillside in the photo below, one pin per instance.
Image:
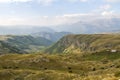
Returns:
(100, 66)
(89, 43)
(22, 44)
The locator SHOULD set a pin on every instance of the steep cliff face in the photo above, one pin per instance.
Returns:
(86, 43)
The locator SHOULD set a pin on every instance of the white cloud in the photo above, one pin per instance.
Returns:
(41, 20)
(4, 1)
(45, 2)
(21, 0)
(54, 20)
(42, 2)
(104, 10)
(74, 15)
(11, 1)
(112, 0)
(105, 7)
(76, 1)
(107, 13)
(83, 0)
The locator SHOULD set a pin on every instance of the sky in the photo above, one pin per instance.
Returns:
(55, 12)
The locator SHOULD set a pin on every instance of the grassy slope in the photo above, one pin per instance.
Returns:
(86, 43)
(60, 67)
(102, 65)
(22, 44)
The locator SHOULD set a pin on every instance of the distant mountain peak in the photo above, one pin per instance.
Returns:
(53, 36)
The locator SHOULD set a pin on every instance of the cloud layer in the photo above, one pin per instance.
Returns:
(69, 12)
(43, 2)
(11, 1)
(113, 1)
(55, 20)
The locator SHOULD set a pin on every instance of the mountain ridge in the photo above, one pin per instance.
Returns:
(53, 36)
(92, 26)
(85, 43)
(22, 44)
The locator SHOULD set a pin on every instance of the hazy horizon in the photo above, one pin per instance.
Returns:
(55, 12)
(61, 15)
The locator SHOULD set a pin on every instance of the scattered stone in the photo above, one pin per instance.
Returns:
(45, 68)
(94, 69)
(70, 71)
(69, 68)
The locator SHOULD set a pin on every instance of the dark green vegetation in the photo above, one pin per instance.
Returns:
(86, 43)
(22, 44)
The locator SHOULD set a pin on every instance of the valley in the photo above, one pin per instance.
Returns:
(73, 57)
(30, 43)
(59, 40)
(22, 44)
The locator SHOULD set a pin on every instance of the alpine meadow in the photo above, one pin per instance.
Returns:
(59, 40)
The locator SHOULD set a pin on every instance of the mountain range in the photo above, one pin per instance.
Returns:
(53, 36)
(72, 57)
(81, 57)
(23, 30)
(92, 26)
(83, 26)
(28, 43)
(13, 37)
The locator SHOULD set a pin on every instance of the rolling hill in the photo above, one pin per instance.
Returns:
(100, 66)
(28, 43)
(86, 43)
(22, 44)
